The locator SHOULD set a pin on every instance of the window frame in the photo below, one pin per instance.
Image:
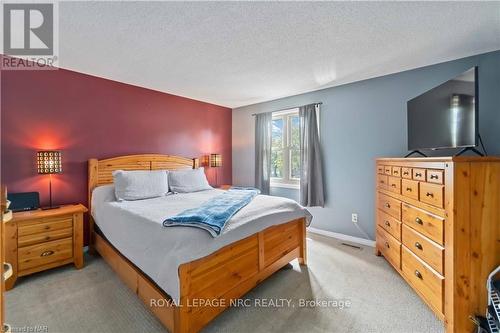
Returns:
(286, 181)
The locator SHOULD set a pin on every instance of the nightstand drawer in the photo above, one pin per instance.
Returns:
(42, 237)
(44, 225)
(45, 253)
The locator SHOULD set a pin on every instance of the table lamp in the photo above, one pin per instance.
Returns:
(49, 162)
(215, 162)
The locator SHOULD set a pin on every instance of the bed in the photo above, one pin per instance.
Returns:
(182, 274)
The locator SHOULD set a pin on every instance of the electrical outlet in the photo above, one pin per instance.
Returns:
(354, 218)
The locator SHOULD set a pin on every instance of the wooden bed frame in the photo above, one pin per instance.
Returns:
(208, 285)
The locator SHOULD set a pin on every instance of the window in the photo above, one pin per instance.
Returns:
(285, 149)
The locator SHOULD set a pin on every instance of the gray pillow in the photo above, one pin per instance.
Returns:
(137, 185)
(185, 181)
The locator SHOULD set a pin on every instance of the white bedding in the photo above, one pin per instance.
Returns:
(135, 229)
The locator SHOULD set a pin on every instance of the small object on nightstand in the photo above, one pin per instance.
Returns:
(225, 187)
(42, 239)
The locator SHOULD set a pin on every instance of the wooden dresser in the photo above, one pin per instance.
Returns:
(43, 239)
(438, 225)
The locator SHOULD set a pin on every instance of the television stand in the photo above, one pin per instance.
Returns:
(415, 152)
(473, 149)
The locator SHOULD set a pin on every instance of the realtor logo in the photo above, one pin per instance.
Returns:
(29, 35)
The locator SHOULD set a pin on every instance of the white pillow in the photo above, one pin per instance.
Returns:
(184, 181)
(137, 185)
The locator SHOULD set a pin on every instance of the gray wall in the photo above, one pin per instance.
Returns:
(360, 122)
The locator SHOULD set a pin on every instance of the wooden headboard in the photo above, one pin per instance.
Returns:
(100, 171)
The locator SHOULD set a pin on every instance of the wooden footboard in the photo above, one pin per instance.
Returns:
(211, 284)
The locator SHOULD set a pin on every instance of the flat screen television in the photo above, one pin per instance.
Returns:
(445, 116)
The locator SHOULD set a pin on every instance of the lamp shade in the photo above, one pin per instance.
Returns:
(215, 160)
(49, 161)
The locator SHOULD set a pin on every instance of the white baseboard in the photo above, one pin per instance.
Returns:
(347, 238)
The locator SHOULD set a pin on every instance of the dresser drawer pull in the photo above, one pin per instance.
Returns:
(406, 173)
(418, 246)
(47, 253)
(429, 194)
(434, 176)
(387, 223)
(409, 189)
(47, 227)
(419, 275)
(393, 185)
(419, 221)
(418, 174)
(387, 245)
(47, 238)
(387, 205)
(395, 172)
(382, 182)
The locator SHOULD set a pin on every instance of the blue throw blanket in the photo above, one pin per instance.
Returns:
(215, 213)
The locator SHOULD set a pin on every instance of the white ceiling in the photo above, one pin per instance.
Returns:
(240, 53)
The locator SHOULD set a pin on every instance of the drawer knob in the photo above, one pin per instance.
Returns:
(418, 274)
(382, 182)
(395, 172)
(434, 176)
(418, 220)
(406, 173)
(393, 185)
(387, 245)
(387, 205)
(387, 223)
(47, 227)
(418, 174)
(47, 253)
(418, 246)
(409, 189)
(429, 194)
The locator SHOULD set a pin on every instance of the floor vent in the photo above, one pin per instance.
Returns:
(350, 245)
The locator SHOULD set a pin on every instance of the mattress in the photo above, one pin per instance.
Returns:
(135, 229)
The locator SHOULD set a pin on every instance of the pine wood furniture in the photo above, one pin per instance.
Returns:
(438, 225)
(214, 280)
(42, 239)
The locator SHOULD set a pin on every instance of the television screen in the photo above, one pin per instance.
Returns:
(445, 116)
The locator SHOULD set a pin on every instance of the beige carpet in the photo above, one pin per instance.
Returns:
(95, 300)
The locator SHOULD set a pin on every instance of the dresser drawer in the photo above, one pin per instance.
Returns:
(418, 174)
(427, 224)
(428, 282)
(44, 253)
(382, 181)
(44, 225)
(424, 248)
(389, 247)
(409, 188)
(406, 173)
(389, 224)
(432, 194)
(44, 237)
(380, 169)
(435, 176)
(394, 184)
(389, 205)
(396, 171)
(388, 170)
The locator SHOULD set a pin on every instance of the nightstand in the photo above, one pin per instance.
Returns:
(224, 187)
(42, 239)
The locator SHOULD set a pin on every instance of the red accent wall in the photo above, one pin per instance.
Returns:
(87, 117)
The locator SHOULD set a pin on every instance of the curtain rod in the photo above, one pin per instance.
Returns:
(291, 107)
